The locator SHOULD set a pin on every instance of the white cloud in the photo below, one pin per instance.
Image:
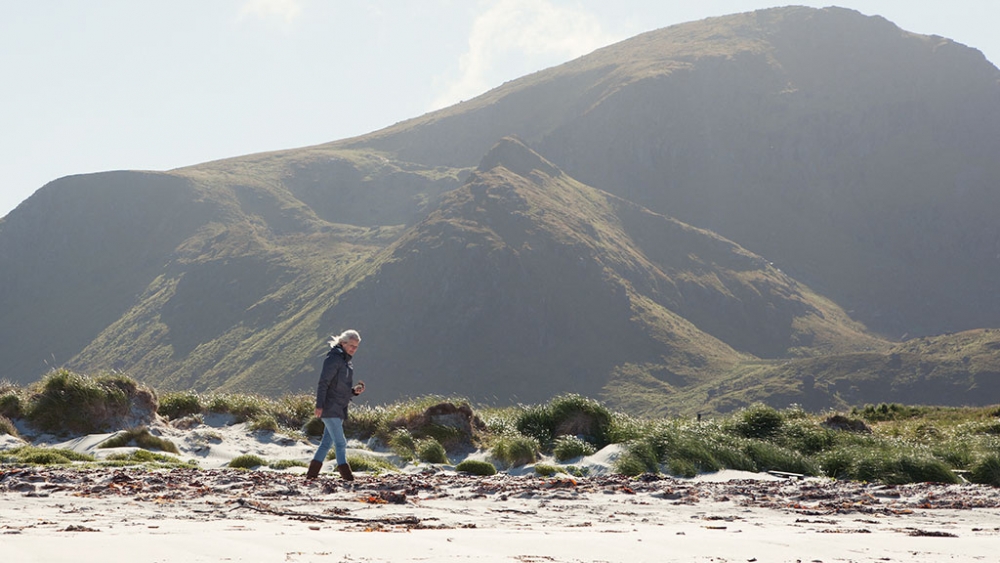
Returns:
(284, 11)
(515, 37)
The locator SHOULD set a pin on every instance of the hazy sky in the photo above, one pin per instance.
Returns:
(99, 85)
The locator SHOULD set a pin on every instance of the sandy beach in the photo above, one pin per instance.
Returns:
(431, 513)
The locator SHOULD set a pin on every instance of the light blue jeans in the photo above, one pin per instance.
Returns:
(333, 435)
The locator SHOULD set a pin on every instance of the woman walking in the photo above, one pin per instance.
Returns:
(335, 391)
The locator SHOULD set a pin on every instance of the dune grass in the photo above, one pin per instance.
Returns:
(476, 467)
(139, 437)
(147, 459)
(429, 450)
(247, 461)
(370, 464)
(33, 455)
(68, 402)
(886, 443)
(7, 426)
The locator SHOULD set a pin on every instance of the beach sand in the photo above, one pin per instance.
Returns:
(431, 513)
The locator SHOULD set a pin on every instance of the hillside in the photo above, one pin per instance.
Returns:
(526, 283)
(746, 208)
(855, 155)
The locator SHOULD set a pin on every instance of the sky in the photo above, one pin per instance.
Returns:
(98, 85)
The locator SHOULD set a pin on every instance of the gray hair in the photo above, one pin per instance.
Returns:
(346, 336)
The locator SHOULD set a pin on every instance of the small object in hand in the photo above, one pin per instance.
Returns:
(359, 387)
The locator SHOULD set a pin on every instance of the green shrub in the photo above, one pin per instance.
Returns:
(294, 411)
(685, 450)
(69, 402)
(839, 463)
(902, 468)
(535, 421)
(958, 454)
(403, 445)
(476, 467)
(758, 421)
(282, 464)
(636, 460)
(772, 457)
(730, 454)
(625, 428)
(567, 415)
(430, 450)
(500, 421)
(687, 456)
(34, 455)
(242, 407)
(11, 404)
(180, 404)
(440, 433)
(923, 469)
(515, 451)
(546, 470)
(45, 458)
(314, 427)
(247, 461)
(574, 415)
(805, 437)
(139, 437)
(138, 457)
(370, 464)
(986, 471)
(263, 423)
(889, 465)
(571, 447)
(365, 421)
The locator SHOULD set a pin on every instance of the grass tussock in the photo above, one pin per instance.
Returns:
(12, 400)
(139, 437)
(67, 402)
(247, 461)
(429, 450)
(7, 426)
(33, 455)
(476, 467)
(282, 464)
(370, 464)
(515, 451)
(148, 459)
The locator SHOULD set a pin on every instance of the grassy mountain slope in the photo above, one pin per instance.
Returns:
(856, 155)
(952, 369)
(74, 256)
(202, 276)
(526, 283)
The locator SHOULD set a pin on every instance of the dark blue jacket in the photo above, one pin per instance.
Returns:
(336, 384)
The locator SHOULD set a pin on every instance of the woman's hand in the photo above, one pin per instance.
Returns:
(359, 388)
(318, 413)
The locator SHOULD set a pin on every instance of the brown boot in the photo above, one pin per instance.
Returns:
(314, 467)
(345, 471)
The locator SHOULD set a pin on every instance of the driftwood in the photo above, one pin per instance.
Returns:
(264, 508)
